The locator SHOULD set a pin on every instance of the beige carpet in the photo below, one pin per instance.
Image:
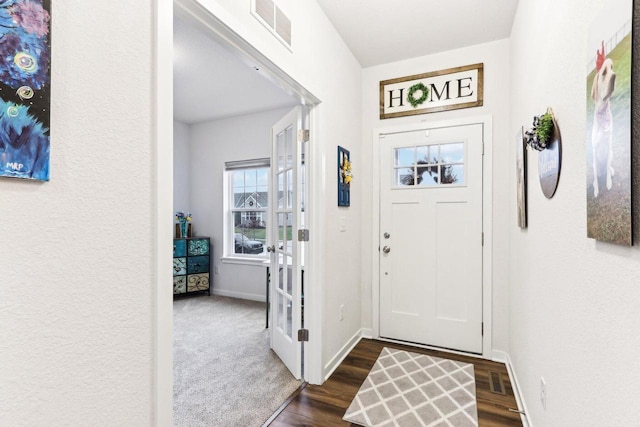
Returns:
(224, 372)
(408, 389)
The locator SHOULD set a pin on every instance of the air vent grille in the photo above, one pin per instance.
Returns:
(496, 383)
(264, 9)
(283, 26)
(274, 19)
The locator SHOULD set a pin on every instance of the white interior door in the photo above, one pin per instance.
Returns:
(286, 207)
(431, 237)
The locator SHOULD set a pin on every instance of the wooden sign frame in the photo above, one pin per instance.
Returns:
(465, 83)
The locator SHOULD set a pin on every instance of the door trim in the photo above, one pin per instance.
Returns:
(487, 215)
(214, 18)
(161, 407)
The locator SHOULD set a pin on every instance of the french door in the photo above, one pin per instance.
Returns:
(286, 208)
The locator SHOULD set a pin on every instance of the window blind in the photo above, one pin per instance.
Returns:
(248, 164)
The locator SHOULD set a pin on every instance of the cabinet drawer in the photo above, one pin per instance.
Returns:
(180, 284)
(198, 247)
(198, 264)
(179, 247)
(198, 282)
(179, 266)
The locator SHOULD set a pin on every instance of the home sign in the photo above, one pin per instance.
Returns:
(450, 89)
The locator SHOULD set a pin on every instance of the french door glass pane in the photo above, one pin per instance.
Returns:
(289, 146)
(289, 319)
(289, 275)
(289, 189)
(282, 277)
(280, 317)
(281, 193)
(281, 141)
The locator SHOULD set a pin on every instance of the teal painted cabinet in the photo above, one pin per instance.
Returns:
(191, 265)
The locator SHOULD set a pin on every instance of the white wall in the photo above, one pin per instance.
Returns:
(573, 301)
(495, 56)
(321, 62)
(181, 167)
(212, 144)
(76, 265)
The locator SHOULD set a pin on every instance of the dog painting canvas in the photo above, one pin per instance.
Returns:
(609, 125)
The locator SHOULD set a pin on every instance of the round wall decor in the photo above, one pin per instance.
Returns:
(550, 162)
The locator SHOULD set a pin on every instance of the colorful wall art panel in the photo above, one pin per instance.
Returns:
(25, 76)
(609, 125)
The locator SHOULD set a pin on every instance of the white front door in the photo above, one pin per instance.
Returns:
(431, 237)
(286, 216)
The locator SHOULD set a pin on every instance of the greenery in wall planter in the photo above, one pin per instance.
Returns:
(539, 136)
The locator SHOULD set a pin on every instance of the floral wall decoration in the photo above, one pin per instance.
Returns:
(545, 138)
(345, 175)
(25, 76)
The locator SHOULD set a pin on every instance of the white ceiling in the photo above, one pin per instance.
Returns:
(210, 82)
(381, 31)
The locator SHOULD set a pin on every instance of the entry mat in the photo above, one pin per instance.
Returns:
(408, 389)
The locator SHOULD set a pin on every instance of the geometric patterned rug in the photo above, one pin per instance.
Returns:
(408, 389)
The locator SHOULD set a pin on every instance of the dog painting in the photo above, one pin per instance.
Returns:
(609, 125)
(602, 88)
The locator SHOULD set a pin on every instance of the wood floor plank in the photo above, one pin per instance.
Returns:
(324, 405)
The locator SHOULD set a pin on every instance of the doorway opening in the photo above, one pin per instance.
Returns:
(209, 198)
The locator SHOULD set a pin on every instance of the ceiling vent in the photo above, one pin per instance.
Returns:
(272, 17)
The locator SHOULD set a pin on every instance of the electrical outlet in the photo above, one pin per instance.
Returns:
(216, 269)
(341, 312)
(543, 393)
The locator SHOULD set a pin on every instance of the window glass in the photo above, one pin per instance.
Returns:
(404, 177)
(428, 154)
(249, 204)
(452, 153)
(405, 156)
(431, 165)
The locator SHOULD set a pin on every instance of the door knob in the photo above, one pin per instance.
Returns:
(271, 248)
(386, 249)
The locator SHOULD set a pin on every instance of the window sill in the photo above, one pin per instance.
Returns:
(258, 262)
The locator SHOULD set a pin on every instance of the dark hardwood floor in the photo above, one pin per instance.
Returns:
(324, 405)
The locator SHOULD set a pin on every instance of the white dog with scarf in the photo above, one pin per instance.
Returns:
(602, 130)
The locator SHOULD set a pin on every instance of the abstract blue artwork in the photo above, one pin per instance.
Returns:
(25, 76)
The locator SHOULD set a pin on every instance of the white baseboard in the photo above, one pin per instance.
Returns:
(342, 353)
(499, 356)
(240, 295)
(522, 406)
(367, 333)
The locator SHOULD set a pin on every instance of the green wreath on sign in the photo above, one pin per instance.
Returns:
(412, 90)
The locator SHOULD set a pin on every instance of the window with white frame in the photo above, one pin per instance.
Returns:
(248, 202)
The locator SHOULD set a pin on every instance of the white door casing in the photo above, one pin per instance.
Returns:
(431, 206)
(285, 217)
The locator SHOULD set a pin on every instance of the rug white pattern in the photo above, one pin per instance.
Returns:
(409, 389)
